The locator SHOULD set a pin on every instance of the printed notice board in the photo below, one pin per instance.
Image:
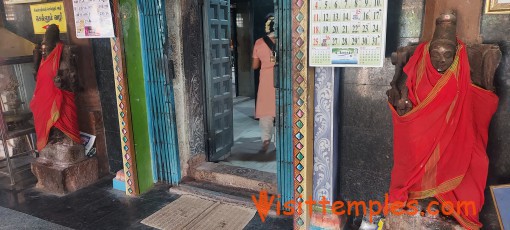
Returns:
(46, 14)
(347, 33)
(93, 19)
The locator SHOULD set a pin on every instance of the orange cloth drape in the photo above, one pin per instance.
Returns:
(52, 106)
(440, 145)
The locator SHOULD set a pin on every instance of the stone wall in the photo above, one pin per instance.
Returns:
(366, 140)
(106, 87)
(194, 75)
(184, 21)
(496, 29)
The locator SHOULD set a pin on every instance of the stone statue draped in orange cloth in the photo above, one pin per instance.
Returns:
(442, 101)
(53, 106)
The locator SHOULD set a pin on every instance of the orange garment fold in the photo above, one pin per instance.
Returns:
(51, 106)
(440, 145)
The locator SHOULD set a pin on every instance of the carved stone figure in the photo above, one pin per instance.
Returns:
(483, 60)
(62, 166)
(65, 78)
(442, 99)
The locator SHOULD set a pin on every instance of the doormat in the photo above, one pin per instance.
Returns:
(190, 212)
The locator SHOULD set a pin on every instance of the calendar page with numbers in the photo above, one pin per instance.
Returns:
(347, 33)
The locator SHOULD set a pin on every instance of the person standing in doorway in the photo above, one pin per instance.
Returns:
(264, 58)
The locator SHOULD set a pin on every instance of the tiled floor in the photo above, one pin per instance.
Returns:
(101, 207)
(247, 144)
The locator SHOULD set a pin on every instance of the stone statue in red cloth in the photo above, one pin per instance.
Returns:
(53, 103)
(62, 166)
(442, 100)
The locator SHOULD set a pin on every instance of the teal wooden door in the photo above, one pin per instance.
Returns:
(283, 84)
(218, 74)
(159, 92)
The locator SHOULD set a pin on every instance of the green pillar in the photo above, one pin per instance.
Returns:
(134, 69)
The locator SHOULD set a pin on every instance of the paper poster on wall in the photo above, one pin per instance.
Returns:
(88, 141)
(347, 33)
(46, 14)
(93, 19)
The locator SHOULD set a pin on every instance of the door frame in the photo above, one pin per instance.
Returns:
(283, 83)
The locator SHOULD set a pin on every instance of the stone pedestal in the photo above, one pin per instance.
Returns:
(63, 169)
(393, 222)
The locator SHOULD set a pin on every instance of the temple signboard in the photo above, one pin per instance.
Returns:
(93, 19)
(46, 14)
(347, 33)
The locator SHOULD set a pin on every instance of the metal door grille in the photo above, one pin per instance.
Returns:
(284, 155)
(159, 92)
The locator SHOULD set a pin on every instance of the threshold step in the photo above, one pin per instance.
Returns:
(237, 196)
(237, 177)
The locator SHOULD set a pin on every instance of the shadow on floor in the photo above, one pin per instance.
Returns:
(259, 157)
(249, 149)
(247, 153)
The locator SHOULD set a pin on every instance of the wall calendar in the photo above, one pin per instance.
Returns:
(347, 33)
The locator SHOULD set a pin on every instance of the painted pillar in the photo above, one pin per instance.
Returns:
(325, 154)
(302, 112)
(134, 69)
(324, 134)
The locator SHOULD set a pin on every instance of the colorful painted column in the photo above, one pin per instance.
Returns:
(302, 112)
(135, 142)
(123, 108)
(124, 114)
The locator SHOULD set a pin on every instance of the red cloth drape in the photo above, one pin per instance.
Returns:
(440, 145)
(52, 106)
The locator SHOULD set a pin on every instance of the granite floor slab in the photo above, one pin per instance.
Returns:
(16, 220)
(96, 207)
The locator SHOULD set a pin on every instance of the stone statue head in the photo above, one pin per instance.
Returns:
(443, 46)
(50, 40)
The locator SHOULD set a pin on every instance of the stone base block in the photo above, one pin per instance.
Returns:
(64, 179)
(393, 222)
(63, 153)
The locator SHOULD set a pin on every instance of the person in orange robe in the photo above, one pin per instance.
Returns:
(51, 106)
(440, 144)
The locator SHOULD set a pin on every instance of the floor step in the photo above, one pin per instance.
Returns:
(240, 99)
(237, 196)
(237, 177)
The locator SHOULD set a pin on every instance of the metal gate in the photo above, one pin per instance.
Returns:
(283, 84)
(218, 74)
(159, 92)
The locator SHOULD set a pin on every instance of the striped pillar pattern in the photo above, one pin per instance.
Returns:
(302, 112)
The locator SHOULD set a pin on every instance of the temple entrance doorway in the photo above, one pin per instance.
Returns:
(248, 25)
(234, 136)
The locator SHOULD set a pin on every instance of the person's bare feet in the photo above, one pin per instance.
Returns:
(265, 146)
